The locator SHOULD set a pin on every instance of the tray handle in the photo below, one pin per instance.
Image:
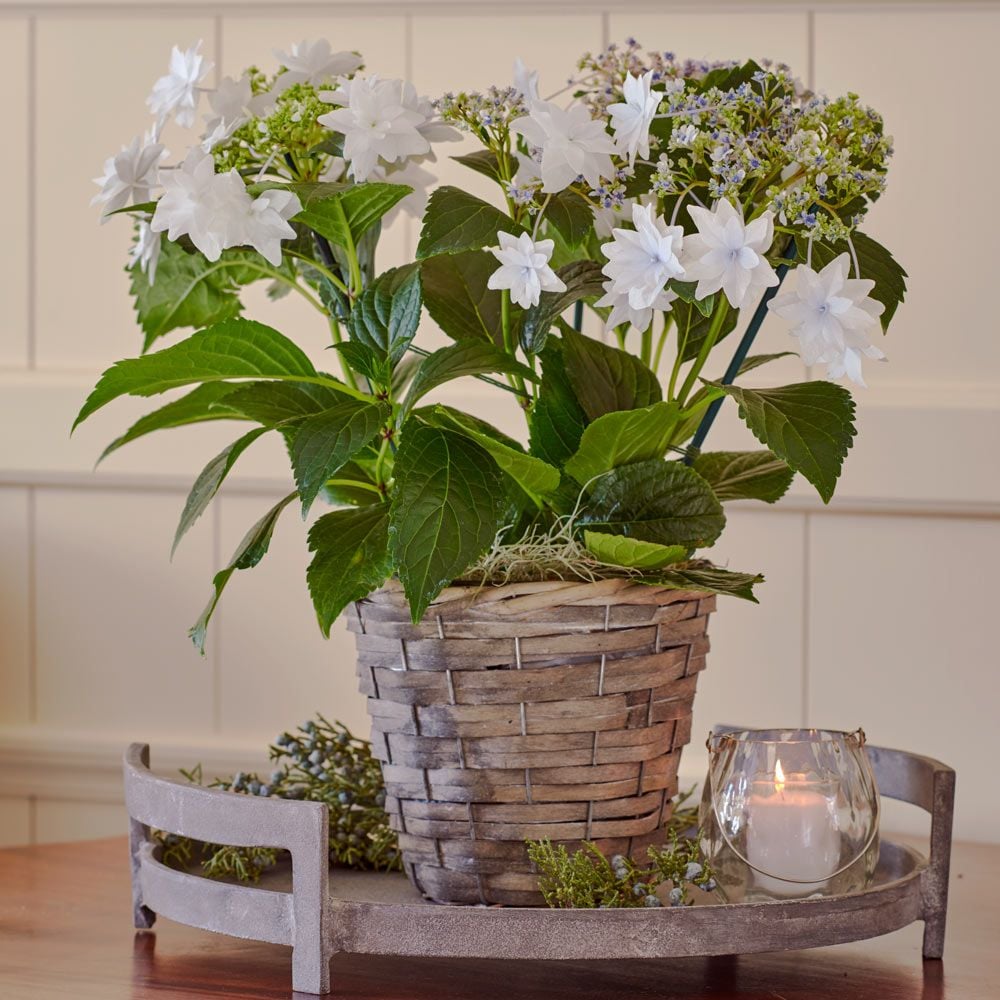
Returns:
(302, 828)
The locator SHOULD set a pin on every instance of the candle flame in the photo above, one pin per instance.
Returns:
(779, 777)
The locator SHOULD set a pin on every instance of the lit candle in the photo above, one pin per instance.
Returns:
(792, 833)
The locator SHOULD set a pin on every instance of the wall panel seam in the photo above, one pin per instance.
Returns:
(32, 587)
(31, 240)
(805, 610)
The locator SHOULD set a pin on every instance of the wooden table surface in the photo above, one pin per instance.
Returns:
(65, 931)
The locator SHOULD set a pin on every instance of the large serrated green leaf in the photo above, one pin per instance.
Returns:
(876, 264)
(445, 513)
(483, 161)
(622, 437)
(583, 279)
(352, 559)
(386, 315)
(274, 403)
(744, 475)
(605, 378)
(535, 477)
(619, 550)
(249, 552)
(189, 291)
(201, 404)
(457, 298)
(467, 357)
(325, 442)
(557, 419)
(810, 425)
(455, 220)
(346, 215)
(209, 480)
(656, 501)
(233, 349)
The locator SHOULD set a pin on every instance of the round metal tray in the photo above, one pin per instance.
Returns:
(320, 911)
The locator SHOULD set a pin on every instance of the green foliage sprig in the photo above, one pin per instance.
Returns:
(586, 879)
(320, 762)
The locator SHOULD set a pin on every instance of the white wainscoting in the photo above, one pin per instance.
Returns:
(877, 610)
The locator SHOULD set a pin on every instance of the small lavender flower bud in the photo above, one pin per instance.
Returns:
(692, 871)
(651, 900)
(254, 787)
(676, 897)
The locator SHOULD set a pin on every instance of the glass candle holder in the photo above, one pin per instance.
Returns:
(789, 813)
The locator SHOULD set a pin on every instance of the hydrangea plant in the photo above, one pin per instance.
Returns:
(663, 196)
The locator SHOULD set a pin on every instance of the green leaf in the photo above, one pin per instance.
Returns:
(344, 216)
(533, 475)
(445, 511)
(324, 442)
(618, 550)
(274, 403)
(711, 579)
(622, 437)
(810, 425)
(365, 361)
(351, 560)
(233, 349)
(557, 419)
(200, 404)
(467, 357)
(687, 293)
(386, 315)
(756, 360)
(483, 161)
(457, 298)
(606, 379)
(656, 501)
(248, 553)
(188, 291)
(352, 487)
(457, 221)
(876, 264)
(209, 480)
(582, 279)
(744, 475)
(693, 327)
(570, 213)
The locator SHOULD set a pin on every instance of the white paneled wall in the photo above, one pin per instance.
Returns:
(877, 610)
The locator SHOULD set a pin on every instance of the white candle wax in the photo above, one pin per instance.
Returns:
(792, 834)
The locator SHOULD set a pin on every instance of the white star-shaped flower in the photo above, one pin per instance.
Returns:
(526, 81)
(230, 104)
(642, 260)
(217, 212)
(432, 128)
(129, 176)
(831, 315)
(524, 269)
(572, 143)
(376, 124)
(630, 121)
(145, 250)
(267, 224)
(623, 312)
(177, 93)
(315, 63)
(727, 254)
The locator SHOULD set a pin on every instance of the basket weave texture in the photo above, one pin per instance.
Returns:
(525, 711)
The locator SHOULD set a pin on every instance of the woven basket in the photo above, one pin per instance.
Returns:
(526, 711)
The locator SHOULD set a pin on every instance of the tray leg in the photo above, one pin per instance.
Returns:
(934, 890)
(138, 834)
(312, 948)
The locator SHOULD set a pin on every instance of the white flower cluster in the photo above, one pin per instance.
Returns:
(387, 129)
(726, 253)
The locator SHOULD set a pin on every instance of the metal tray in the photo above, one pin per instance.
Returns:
(320, 911)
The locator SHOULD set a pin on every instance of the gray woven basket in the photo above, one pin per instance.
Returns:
(526, 711)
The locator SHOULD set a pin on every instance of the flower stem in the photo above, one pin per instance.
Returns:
(718, 318)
